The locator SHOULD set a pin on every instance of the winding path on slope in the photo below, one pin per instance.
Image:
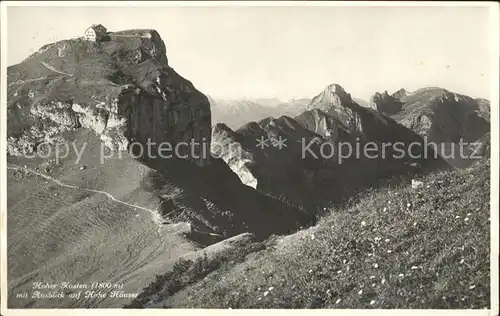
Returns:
(27, 81)
(154, 213)
(60, 183)
(55, 70)
(137, 258)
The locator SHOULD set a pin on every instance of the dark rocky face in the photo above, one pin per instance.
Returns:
(385, 103)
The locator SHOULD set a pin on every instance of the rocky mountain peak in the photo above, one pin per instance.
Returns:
(221, 127)
(335, 95)
(400, 93)
(335, 101)
(385, 103)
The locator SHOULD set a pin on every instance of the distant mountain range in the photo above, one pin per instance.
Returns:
(236, 113)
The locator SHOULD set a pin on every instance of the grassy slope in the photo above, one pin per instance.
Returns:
(60, 234)
(394, 248)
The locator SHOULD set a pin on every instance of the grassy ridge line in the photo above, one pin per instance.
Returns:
(396, 248)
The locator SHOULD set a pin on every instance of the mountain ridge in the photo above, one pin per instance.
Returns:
(331, 118)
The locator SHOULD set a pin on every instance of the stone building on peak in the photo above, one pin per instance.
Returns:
(96, 33)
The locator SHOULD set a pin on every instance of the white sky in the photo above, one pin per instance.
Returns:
(289, 52)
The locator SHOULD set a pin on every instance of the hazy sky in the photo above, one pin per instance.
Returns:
(289, 52)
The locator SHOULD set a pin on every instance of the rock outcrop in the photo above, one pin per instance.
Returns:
(444, 116)
(385, 103)
(228, 145)
(400, 93)
(122, 88)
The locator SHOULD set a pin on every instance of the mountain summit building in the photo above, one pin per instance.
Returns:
(95, 33)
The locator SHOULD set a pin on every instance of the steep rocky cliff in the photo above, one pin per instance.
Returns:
(122, 88)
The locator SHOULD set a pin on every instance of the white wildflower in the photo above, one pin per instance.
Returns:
(385, 209)
(416, 184)
(271, 288)
(375, 265)
(472, 287)
(383, 281)
(401, 275)
(389, 251)
(338, 301)
(414, 267)
(462, 261)
(372, 277)
(387, 240)
(372, 302)
(266, 292)
(363, 223)
(360, 292)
